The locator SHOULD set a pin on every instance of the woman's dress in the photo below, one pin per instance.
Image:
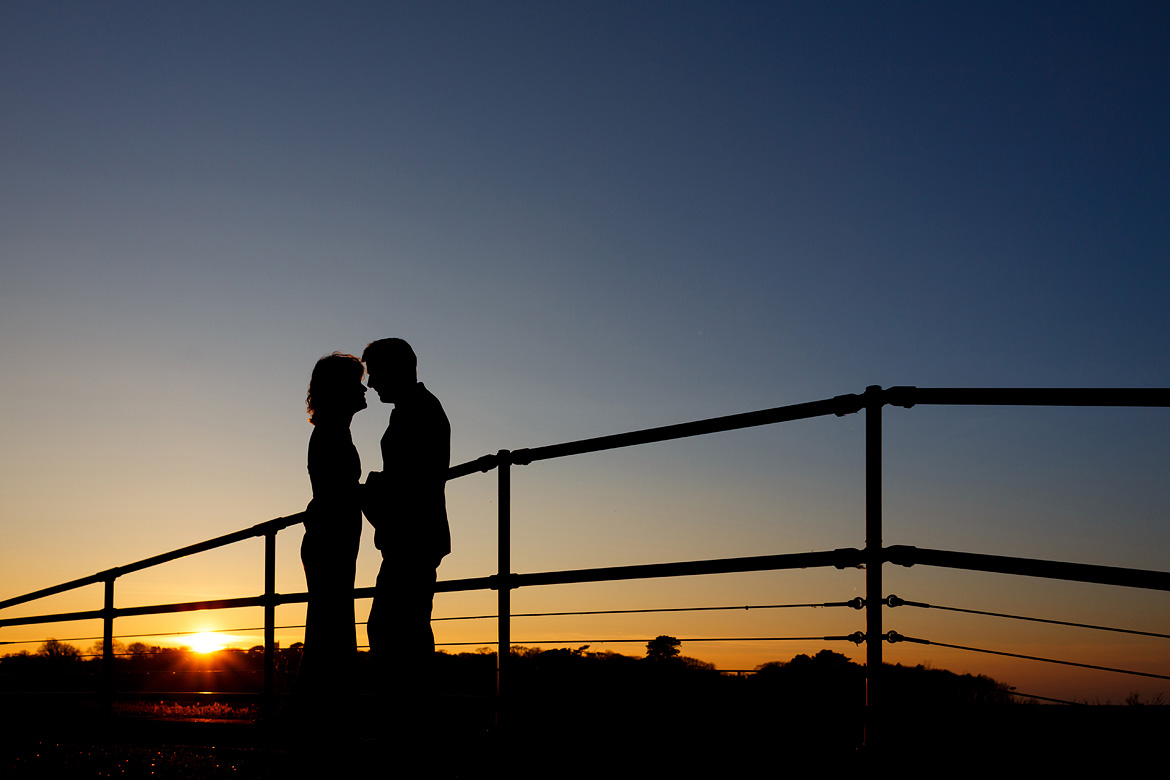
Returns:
(333, 528)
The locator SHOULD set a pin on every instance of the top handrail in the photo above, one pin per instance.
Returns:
(840, 406)
(908, 555)
(908, 396)
(905, 396)
(270, 526)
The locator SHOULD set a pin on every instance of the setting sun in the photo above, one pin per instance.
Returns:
(206, 642)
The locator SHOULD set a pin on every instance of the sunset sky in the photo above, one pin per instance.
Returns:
(589, 218)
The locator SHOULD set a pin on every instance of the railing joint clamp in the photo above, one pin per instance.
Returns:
(848, 558)
(849, 403)
(508, 579)
(901, 395)
(900, 554)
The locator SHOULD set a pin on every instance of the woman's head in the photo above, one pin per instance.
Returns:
(335, 387)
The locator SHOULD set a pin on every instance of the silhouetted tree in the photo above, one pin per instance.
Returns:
(662, 648)
(1134, 699)
(696, 665)
(53, 648)
(98, 648)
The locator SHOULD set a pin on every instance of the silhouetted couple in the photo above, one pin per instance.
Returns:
(405, 503)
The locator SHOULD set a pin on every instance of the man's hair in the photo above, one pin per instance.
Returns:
(390, 352)
(329, 379)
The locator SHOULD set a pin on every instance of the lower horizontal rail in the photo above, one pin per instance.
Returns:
(843, 558)
(152, 609)
(854, 603)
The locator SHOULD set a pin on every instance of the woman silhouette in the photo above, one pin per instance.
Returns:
(333, 524)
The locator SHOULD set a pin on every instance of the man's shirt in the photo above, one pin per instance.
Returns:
(408, 505)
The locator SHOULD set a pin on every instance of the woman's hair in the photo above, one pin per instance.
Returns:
(330, 377)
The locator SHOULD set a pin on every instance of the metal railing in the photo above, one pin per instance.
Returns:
(504, 581)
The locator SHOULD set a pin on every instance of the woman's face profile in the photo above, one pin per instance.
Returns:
(355, 395)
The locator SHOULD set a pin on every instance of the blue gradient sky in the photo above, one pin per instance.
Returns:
(589, 218)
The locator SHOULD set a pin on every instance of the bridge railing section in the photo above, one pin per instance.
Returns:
(872, 556)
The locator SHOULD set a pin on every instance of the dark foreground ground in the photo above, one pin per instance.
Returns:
(50, 738)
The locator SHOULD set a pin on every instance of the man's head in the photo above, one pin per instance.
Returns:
(391, 368)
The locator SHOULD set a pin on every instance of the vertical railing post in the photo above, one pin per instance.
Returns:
(108, 646)
(874, 695)
(504, 554)
(269, 699)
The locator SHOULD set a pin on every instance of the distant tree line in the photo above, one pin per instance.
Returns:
(138, 667)
(664, 672)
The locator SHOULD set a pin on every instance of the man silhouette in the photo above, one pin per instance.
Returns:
(407, 506)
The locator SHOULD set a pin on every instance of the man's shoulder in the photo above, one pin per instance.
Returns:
(429, 402)
(422, 409)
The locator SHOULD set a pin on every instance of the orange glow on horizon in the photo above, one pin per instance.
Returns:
(207, 642)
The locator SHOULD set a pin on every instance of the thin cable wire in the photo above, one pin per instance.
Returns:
(853, 603)
(901, 602)
(528, 614)
(856, 603)
(139, 636)
(578, 642)
(1044, 698)
(900, 638)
